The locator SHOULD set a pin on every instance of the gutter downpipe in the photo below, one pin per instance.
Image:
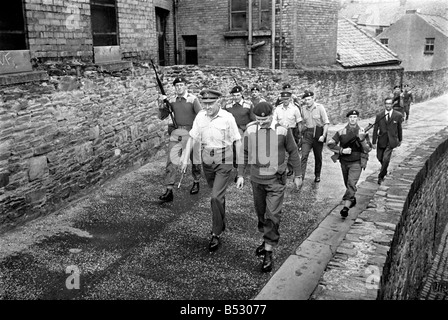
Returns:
(249, 44)
(176, 44)
(273, 35)
(280, 38)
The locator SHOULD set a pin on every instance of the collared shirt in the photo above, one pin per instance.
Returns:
(287, 116)
(185, 108)
(315, 116)
(217, 132)
(388, 115)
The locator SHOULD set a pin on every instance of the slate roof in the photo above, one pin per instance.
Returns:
(385, 13)
(439, 23)
(356, 48)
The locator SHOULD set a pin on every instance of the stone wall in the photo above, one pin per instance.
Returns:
(338, 90)
(417, 234)
(60, 137)
(426, 84)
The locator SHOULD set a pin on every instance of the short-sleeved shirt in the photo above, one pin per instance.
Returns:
(287, 117)
(185, 109)
(217, 134)
(314, 116)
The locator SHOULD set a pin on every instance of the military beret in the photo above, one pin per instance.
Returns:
(255, 87)
(286, 86)
(236, 89)
(352, 113)
(308, 93)
(209, 95)
(178, 80)
(263, 109)
(285, 94)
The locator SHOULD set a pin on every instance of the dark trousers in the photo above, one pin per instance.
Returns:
(218, 177)
(383, 155)
(351, 171)
(268, 200)
(310, 143)
(407, 109)
(174, 153)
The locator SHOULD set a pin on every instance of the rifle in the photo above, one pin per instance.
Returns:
(355, 140)
(167, 103)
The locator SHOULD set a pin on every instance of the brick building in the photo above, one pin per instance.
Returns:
(100, 31)
(283, 33)
(294, 32)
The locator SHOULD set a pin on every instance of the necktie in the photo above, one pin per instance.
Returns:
(387, 117)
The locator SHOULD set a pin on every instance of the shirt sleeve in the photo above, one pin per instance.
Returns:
(298, 116)
(194, 132)
(324, 116)
(197, 105)
(234, 133)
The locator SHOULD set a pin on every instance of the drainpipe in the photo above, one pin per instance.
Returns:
(280, 39)
(249, 42)
(176, 44)
(273, 35)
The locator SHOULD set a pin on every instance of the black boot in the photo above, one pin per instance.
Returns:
(167, 196)
(194, 188)
(214, 243)
(267, 262)
(260, 250)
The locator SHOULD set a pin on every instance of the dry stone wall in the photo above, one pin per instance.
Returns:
(84, 126)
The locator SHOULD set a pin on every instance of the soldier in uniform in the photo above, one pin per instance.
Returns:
(315, 127)
(397, 101)
(288, 115)
(240, 108)
(265, 147)
(185, 108)
(215, 130)
(287, 88)
(408, 98)
(352, 145)
(256, 97)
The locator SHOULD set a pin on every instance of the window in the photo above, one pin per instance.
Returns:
(378, 30)
(238, 15)
(385, 42)
(161, 19)
(261, 14)
(264, 15)
(104, 22)
(191, 49)
(12, 26)
(429, 46)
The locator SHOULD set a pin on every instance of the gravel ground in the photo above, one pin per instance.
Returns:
(128, 246)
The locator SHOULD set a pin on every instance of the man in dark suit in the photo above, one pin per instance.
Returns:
(388, 133)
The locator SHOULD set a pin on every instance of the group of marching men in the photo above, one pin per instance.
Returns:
(221, 136)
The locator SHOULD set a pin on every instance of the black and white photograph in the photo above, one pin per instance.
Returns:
(224, 158)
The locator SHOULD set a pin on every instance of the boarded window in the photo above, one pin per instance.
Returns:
(429, 45)
(12, 26)
(104, 22)
(191, 49)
